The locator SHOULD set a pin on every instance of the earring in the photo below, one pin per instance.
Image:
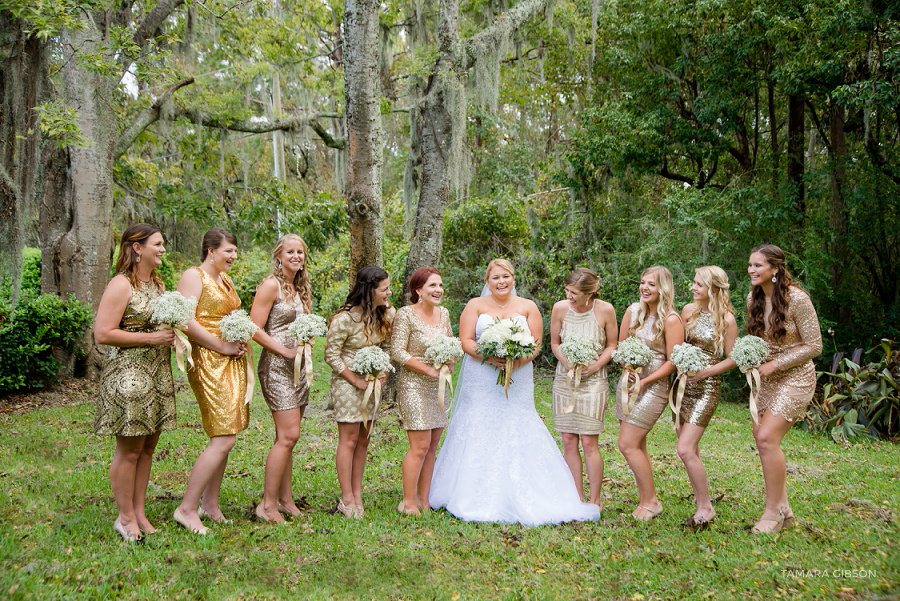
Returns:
(138, 260)
(774, 279)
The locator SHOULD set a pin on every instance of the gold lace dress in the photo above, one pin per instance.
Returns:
(655, 397)
(789, 390)
(417, 393)
(700, 399)
(345, 337)
(137, 395)
(276, 374)
(219, 381)
(592, 395)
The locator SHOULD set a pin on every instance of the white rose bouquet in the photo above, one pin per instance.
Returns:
(507, 339)
(304, 328)
(749, 352)
(442, 351)
(580, 351)
(688, 360)
(632, 354)
(173, 311)
(373, 363)
(238, 327)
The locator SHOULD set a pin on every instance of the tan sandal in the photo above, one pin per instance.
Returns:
(653, 513)
(775, 519)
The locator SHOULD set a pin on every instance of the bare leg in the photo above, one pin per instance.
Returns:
(122, 475)
(593, 463)
(419, 441)
(768, 435)
(285, 494)
(573, 459)
(633, 446)
(428, 469)
(142, 479)
(287, 431)
(689, 452)
(348, 437)
(205, 480)
(359, 463)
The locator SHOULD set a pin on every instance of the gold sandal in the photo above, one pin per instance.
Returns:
(776, 519)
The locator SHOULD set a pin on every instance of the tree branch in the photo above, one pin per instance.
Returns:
(261, 126)
(154, 20)
(146, 118)
(505, 24)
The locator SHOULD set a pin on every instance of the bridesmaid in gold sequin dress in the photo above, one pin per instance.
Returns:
(582, 314)
(137, 395)
(653, 319)
(218, 378)
(279, 299)
(363, 320)
(710, 325)
(779, 311)
(415, 326)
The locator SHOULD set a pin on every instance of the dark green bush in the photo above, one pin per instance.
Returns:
(30, 331)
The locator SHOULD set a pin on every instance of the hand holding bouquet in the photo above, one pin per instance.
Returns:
(174, 311)
(304, 329)
(442, 351)
(749, 353)
(688, 360)
(237, 327)
(506, 339)
(372, 363)
(579, 351)
(632, 354)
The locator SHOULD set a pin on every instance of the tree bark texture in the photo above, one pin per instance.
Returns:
(364, 133)
(795, 159)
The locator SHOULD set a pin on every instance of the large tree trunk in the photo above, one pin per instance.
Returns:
(838, 209)
(795, 147)
(364, 134)
(24, 84)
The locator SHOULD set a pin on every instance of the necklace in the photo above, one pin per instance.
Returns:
(498, 304)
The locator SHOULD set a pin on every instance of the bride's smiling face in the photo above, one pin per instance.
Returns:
(500, 282)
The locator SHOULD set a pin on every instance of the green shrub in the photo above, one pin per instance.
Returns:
(29, 333)
(31, 272)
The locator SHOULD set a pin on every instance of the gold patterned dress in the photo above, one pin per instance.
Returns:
(655, 397)
(789, 390)
(345, 337)
(417, 394)
(276, 374)
(219, 381)
(591, 397)
(137, 395)
(701, 398)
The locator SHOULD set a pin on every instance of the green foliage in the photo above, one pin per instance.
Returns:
(31, 272)
(29, 333)
(60, 123)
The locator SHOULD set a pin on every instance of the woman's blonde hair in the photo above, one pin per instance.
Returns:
(301, 278)
(586, 281)
(716, 281)
(664, 307)
(502, 264)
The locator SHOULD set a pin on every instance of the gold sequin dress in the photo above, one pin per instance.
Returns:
(655, 397)
(276, 374)
(700, 398)
(345, 337)
(137, 395)
(591, 397)
(417, 393)
(789, 390)
(219, 381)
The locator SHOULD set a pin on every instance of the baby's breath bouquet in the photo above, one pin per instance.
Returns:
(579, 351)
(304, 328)
(632, 354)
(373, 363)
(749, 352)
(237, 327)
(173, 311)
(507, 339)
(689, 360)
(442, 351)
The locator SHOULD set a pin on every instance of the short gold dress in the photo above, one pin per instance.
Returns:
(417, 393)
(137, 395)
(592, 395)
(276, 374)
(789, 390)
(700, 399)
(345, 337)
(655, 398)
(219, 381)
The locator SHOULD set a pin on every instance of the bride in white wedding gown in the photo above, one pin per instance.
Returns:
(498, 462)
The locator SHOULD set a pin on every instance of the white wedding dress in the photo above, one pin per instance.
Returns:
(498, 462)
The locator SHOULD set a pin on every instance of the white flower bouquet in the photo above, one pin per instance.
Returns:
(580, 351)
(304, 328)
(749, 352)
(372, 363)
(238, 327)
(174, 311)
(689, 360)
(507, 339)
(442, 351)
(632, 354)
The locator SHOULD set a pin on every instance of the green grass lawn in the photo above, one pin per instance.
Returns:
(57, 540)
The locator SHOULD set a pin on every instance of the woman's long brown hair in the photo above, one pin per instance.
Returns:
(756, 318)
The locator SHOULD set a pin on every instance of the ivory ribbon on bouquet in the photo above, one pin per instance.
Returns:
(444, 380)
(304, 349)
(373, 389)
(754, 382)
(251, 377)
(182, 348)
(631, 399)
(507, 374)
(573, 374)
(678, 390)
